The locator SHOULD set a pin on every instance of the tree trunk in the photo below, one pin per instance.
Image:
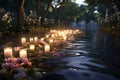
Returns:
(20, 13)
(55, 16)
(45, 13)
(37, 7)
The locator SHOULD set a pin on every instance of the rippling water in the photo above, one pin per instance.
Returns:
(96, 56)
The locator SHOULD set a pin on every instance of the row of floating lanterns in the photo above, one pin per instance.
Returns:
(52, 37)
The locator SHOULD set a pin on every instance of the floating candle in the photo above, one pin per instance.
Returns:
(23, 40)
(47, 48)
(31, 39)
(32, 47)
(51, 40)
(8, 52)
(23, 53)
(42, 39)
(35, 39)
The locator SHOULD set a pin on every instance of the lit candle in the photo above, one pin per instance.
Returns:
(51, 30)
(31, 39)
(53, 35)
(23, 40)
(32, 47)
(51, 40)
(35, 39)
(65, 38)
(23, 53)
(8, 52)
(47, 48)
(42, 39)
(77, 30)
(47, 36)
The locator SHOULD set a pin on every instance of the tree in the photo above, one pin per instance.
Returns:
(37, 6)
(68, 12)
(9, 5)
(23, 6)
(104, 4)
(20, 12)
(50, 3)
(117, 2)
(46, 10)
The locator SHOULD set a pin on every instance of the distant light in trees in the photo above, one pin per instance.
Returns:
(96, 11)
(80, 2)
(56, 3)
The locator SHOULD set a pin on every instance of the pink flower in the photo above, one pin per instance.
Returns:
(19, 60)
(7, 65)
(15, 66)
(40, 46)
(25, 60)
(44, 43)
(40, 41)
(55, 49)
(15, 63)
(9, 60)
(16, 48)
(29, 63)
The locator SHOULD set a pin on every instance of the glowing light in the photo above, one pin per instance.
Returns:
(80, 2)
(8, 52)
(23, 53)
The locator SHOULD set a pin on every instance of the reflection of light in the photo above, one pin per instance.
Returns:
(77, 54)
(56, 4)
(80, 2)
(96, 11)
(73, 69)
(44, 72)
